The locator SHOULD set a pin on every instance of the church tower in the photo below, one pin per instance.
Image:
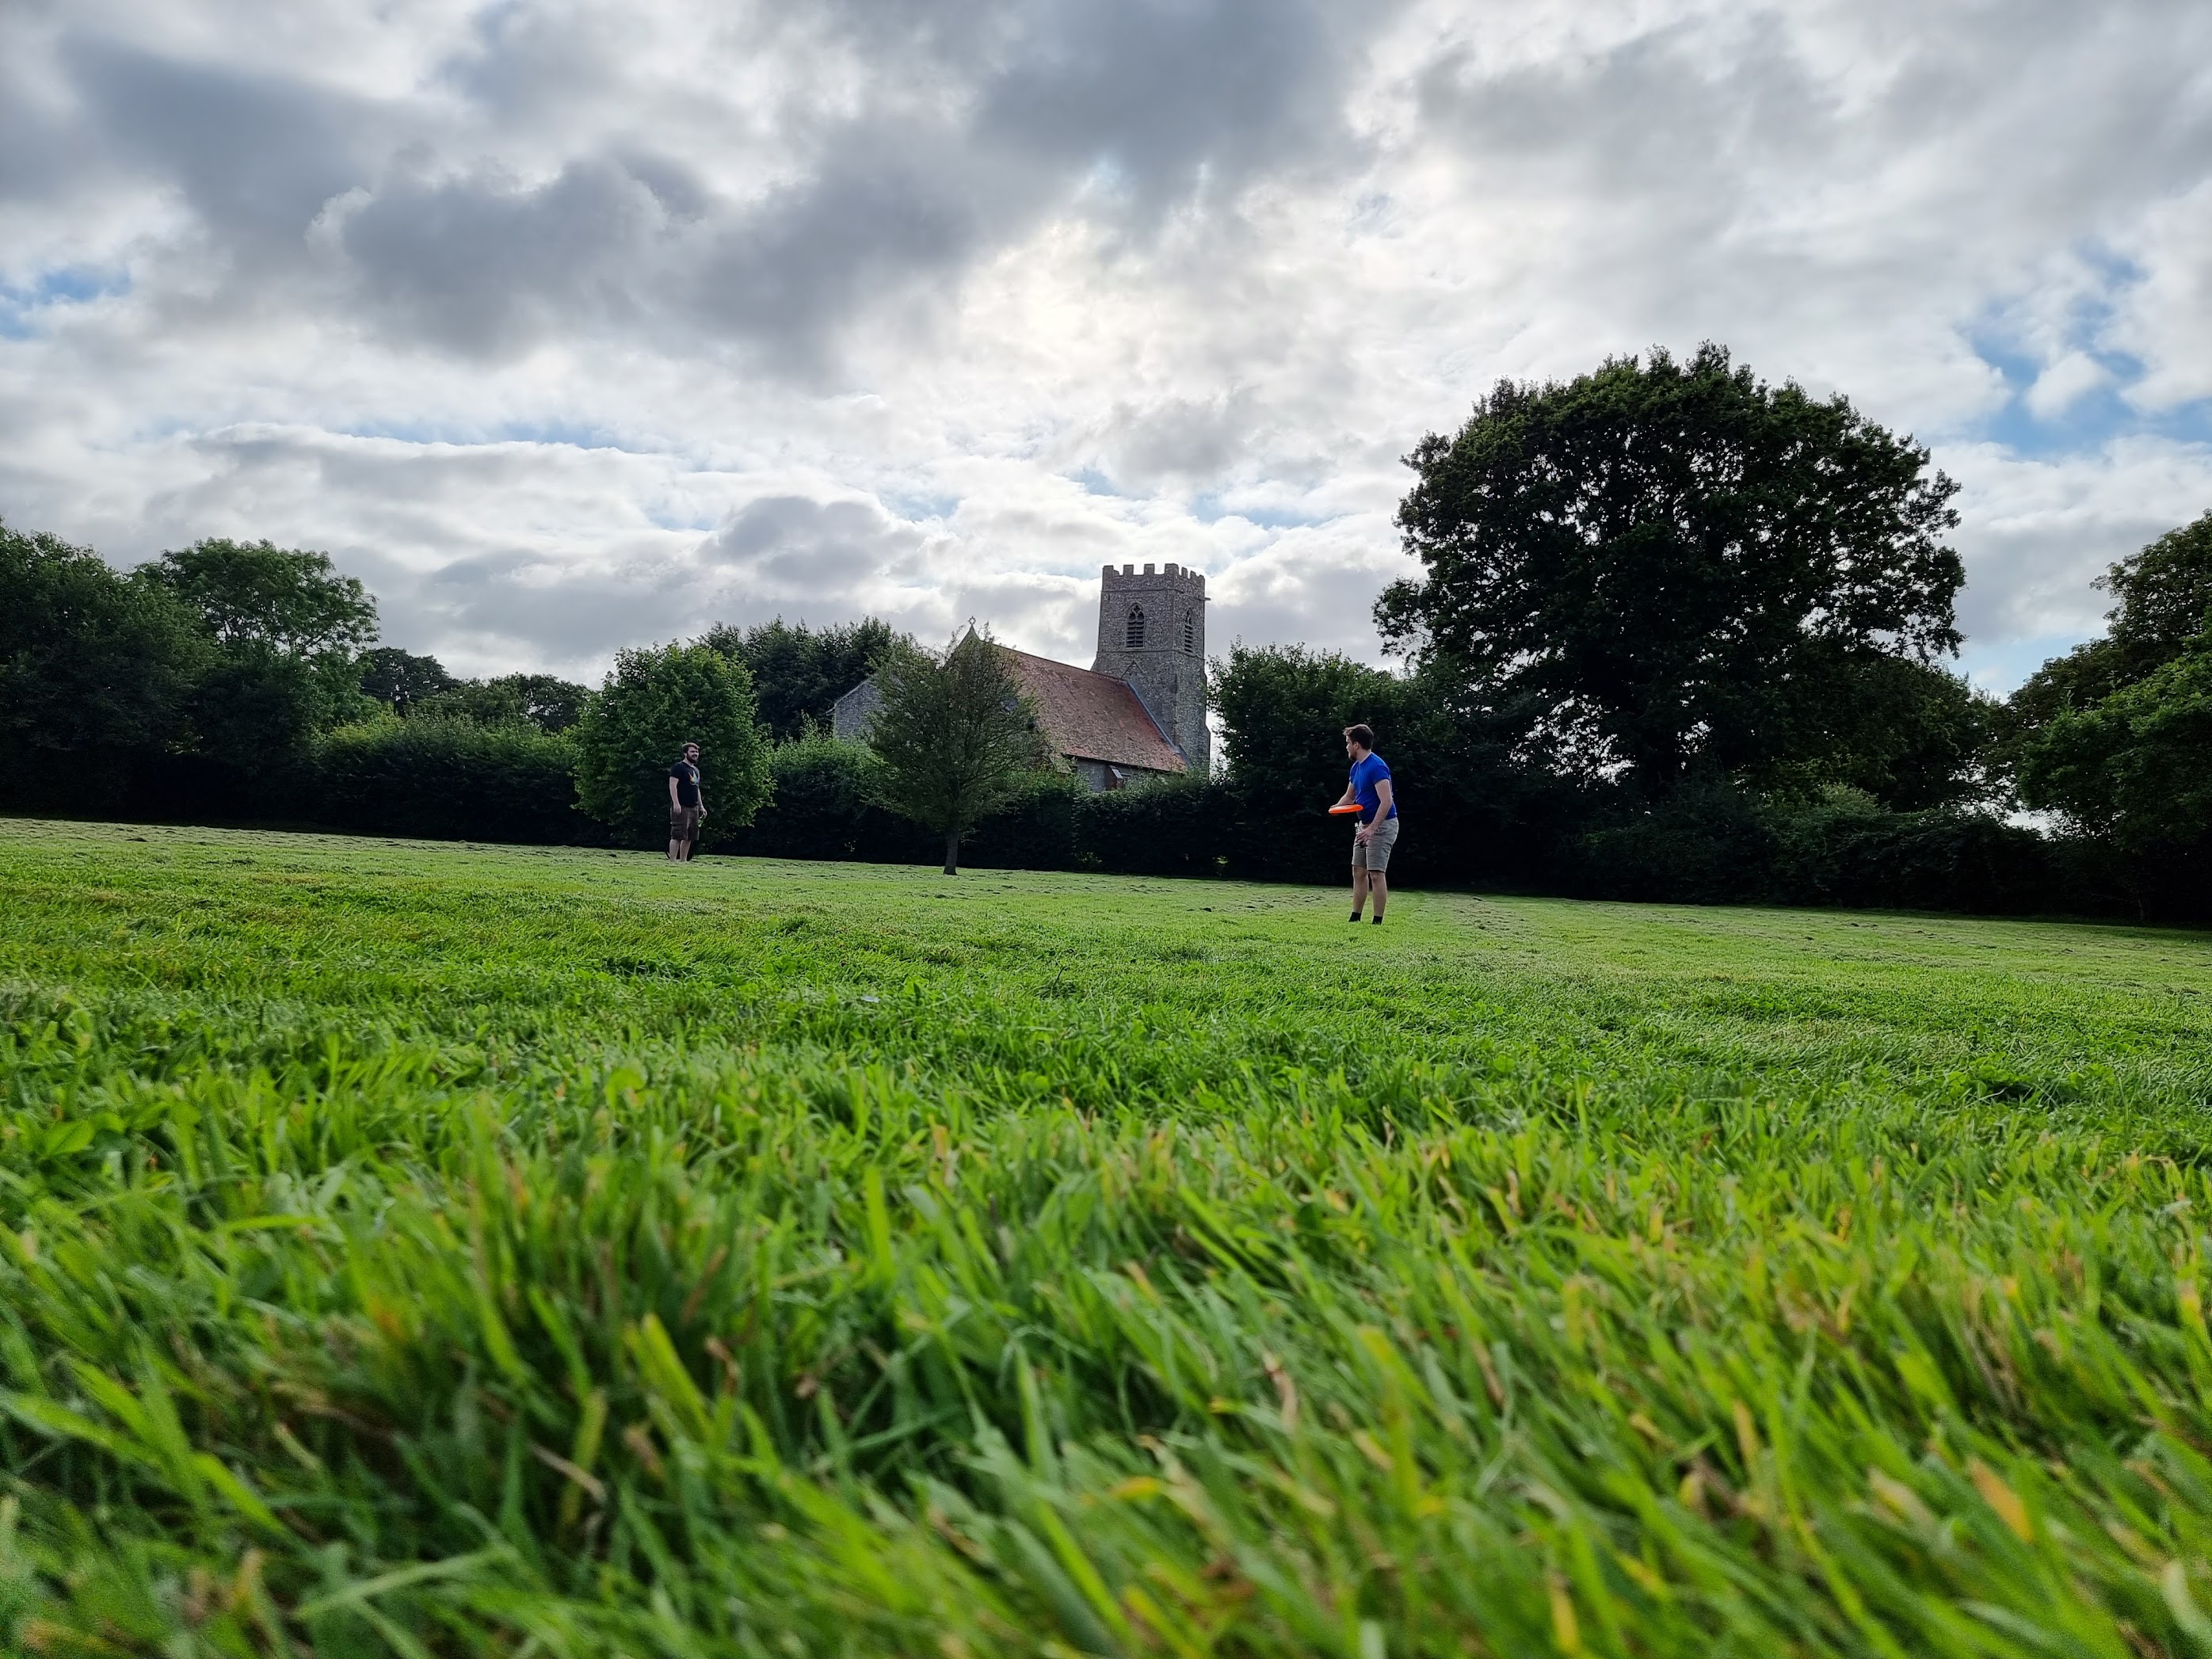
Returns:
(1152, 633)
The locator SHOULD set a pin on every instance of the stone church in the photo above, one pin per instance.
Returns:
(1138, 711)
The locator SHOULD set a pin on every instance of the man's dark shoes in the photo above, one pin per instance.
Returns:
(1378, 920)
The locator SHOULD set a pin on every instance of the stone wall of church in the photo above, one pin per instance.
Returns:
(1152, 633)
(852, 714)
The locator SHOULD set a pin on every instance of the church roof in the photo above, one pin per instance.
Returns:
(1093, 716)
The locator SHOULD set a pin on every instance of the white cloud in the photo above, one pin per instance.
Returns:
(569, 328)
(2064, 382)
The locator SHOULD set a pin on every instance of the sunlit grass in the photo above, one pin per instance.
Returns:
(431, 1250)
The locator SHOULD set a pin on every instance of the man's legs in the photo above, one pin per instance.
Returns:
(1359, 889)
(1381, 883)
(676, 852)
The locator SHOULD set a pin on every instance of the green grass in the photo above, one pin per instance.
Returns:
(436, 1250)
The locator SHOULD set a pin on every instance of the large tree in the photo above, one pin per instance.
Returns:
(634, 726)
(2165, 600)
(1674, 561)
(2116, 736)
(256, 593)
(401, 679)
(287, 630)
(955, 735)
(95, 673)
(2136, 765)
(799, 672)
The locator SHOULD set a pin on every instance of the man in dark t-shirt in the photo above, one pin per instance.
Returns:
(687, 808)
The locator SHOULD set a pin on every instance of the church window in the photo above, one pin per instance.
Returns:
(1190, 634)
(1136, 631)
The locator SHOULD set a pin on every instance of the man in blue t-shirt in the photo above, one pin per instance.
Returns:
(1369, 787)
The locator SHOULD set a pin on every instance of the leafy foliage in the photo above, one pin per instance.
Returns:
(633, 728)
(417, 1251)
(258, 594)
(2165, 592)
(1674, 563)
(822, 804)
(400, 679)
(450, 778)
(544, 701)
(95, 672)
(2138, 764)
(1711, 843)
(799, 672)
(258, 709)
(1475, 808)
(955, 738)
(1909, 735)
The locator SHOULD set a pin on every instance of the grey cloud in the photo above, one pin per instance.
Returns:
(255, 155)
(1170, 93)
(788, 549)
(1027, 107)
(485, 266)
(1181, 439)
(882, 211)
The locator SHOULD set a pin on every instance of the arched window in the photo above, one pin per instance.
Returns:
(1136, 633)
(1190, 633)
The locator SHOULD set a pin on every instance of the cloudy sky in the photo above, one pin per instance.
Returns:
(571, 326)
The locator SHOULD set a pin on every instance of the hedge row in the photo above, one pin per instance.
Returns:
(457, 779)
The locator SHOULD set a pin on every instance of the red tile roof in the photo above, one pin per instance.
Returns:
(1093, 716)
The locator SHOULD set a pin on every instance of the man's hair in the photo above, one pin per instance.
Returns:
(1361, 735)
(682, 747)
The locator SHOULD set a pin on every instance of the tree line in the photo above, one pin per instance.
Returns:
(1679, 633)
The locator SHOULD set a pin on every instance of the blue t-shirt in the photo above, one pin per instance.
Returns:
(1365, 774)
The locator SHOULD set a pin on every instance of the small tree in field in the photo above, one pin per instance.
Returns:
(634, 726)
(955, 734)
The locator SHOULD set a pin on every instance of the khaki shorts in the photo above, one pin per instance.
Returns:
(683, 824)
(1373, 854)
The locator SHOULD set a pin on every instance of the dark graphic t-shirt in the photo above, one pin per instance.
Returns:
(686, 783)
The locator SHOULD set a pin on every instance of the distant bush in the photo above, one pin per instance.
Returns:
(822, 806)
(1034, 830)
(1704, 844)
(1853, 854)
(1714, 844)
(1175, 827)
(449, 780)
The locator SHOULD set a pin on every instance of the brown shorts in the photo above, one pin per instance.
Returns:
(1373, 854)
(683, 824)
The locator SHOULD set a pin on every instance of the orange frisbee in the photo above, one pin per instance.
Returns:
(1339, 812)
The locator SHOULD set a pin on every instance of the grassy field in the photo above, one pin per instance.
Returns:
(429, 1250)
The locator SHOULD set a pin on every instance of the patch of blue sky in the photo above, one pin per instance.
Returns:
(409, 432)
(1998, 666)
(23, 307)
(466, 435)
(1095, 482)
(666, 519)
(569, 434)
(2097, 409)
(919, 507)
